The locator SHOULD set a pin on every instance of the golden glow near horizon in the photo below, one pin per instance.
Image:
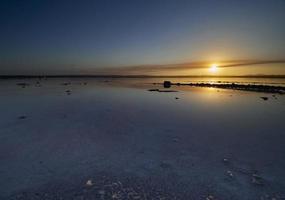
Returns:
(213, 68)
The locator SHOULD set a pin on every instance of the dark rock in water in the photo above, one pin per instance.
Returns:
(257, 180)
(164, 165)
(230, 174)
(68, 92)
(210, 197)
(226, 161)
(167, 84)
(176, 97)
(167, 91)
(153, 90)
(264, 98)
(23, 85)
(22, 117)
(234, 86)
(38, 84)
(158, 90)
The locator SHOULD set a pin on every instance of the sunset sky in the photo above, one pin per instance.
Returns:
(142, 37)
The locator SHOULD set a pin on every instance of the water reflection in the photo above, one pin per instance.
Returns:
(104, 125)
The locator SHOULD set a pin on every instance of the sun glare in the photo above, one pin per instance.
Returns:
(213, 68)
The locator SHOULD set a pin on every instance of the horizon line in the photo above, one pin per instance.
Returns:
(139, 76)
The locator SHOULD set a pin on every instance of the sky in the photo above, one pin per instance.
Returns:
(141, 36)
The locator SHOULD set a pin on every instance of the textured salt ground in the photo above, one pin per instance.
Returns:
(155, 146)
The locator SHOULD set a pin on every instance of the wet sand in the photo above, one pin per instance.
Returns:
(63, 139)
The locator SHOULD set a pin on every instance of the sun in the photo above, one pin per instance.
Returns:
(213, 68)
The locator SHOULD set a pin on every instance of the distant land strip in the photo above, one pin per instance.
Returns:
(137, 76)
(233, 86)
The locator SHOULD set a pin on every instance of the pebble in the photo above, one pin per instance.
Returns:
(230, 173)
(89, 183)
(22, 117)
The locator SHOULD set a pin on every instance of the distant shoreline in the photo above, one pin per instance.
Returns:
(233, 86)
(134, 76)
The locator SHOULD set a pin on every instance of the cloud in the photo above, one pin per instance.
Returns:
(148, 69)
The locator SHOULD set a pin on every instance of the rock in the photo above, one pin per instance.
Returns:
(230, 174)
(89, 183)
(68, 92)
(102, 192)
(257, 180)
(23, 85)
(158, 90)
(167, 84)
(115, 196)
(264, 98)
(153, 90)
(176, 97)
(167, 91)
(164, 165)
(210, 197)
(22, 117)
(225, 161)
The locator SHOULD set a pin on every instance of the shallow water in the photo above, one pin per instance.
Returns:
(117, 127)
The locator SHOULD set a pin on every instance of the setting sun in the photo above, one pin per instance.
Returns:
(214, 68)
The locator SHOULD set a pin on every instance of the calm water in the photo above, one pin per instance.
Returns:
(266, 81)
(118, 128)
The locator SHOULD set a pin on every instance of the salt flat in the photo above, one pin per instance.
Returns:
(135, 144)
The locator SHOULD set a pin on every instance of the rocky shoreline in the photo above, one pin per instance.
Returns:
(233, 86)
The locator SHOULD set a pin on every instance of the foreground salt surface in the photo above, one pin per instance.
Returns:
(106, 141)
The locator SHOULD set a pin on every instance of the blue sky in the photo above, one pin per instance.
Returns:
(81, 36)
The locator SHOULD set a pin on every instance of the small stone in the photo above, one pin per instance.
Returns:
(167, 84)
(210, 197)
(153, 90)
(102, 192)
(176, 97)
(256, 180)
(164, 165)
(264, 98)
(230, 173)
(115, 196)
(22, 117)
(89, 183)
(68, 92)
(225, 161)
